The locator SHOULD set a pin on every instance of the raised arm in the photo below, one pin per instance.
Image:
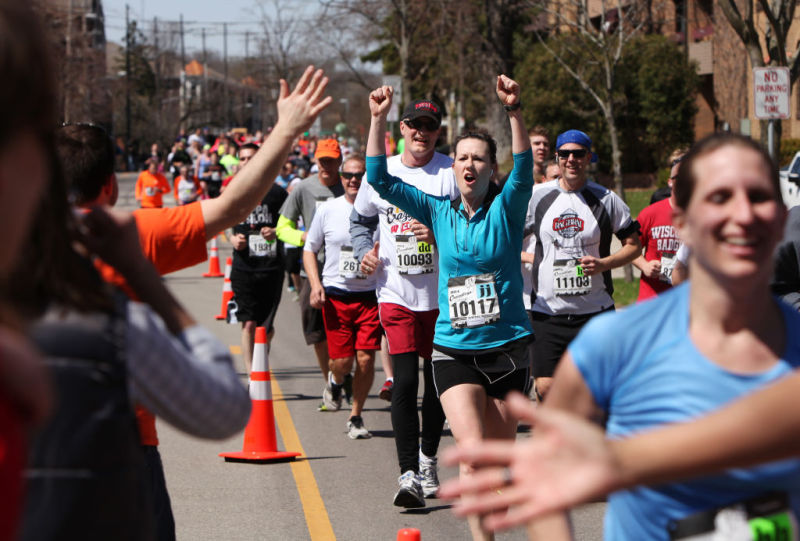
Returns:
(296, 112)
(415, 202)
(509, 93)
(380, 100)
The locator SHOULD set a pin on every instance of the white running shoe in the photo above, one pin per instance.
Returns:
(428, 477)
(410, 493)
(331, 400)
(356, 429)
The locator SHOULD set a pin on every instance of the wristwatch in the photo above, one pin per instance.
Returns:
(514, 107)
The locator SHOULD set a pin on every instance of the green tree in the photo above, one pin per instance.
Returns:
(654, 107)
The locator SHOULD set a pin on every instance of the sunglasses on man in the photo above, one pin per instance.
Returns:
(577, 152)
(358, 175)
(420, 124)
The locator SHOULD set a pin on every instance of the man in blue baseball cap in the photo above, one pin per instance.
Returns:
(572, 220)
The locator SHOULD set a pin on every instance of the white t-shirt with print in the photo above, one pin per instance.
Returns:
(329, 229)
(567, 226)
(411, 282)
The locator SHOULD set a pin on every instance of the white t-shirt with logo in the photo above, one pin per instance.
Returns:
(567, 226)
(329, 229)
(409, 270)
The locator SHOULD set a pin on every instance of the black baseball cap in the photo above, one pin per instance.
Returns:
(420, 108)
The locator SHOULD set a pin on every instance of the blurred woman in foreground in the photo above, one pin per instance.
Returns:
(689, 352)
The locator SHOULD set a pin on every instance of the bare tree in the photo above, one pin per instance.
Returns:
(342, 37)
(283, 30)
(593, 51)
(778, 17)
(405, 17)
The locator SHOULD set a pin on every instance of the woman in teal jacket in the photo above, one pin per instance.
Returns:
(482, 329)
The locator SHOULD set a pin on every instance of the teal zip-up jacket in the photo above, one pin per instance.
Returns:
(489, 242)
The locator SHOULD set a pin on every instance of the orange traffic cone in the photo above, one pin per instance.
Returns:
(409, 534)
(259, 436)
(227, 290)
(213, 261)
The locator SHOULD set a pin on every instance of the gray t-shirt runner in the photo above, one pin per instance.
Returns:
(305, 199)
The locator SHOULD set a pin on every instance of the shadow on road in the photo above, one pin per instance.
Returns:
(310, 458)
(426, 510)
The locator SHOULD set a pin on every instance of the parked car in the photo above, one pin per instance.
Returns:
(790, 182)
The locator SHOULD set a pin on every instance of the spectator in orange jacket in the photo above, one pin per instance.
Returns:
(151, 186)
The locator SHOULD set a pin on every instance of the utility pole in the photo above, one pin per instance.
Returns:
(183, 49)
(225, 77)
(205, 76)
(127, 78)
(182, 94)
(68, 53)
(157, 119)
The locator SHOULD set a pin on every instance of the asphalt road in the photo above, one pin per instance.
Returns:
(338, 489)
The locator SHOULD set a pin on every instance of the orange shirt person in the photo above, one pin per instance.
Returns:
(151, 186)
(174, 238)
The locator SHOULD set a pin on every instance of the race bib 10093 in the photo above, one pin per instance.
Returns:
(413, 256)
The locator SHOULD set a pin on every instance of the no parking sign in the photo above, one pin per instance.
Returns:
(772, 88)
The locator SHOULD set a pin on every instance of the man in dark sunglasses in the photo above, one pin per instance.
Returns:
(572, 220)
(405, 262)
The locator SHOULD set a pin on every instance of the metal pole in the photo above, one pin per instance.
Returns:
(771, 137)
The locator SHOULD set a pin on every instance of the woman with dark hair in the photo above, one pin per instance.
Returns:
(85, 468)
(482, 329)
(688, 352)
(27, 118)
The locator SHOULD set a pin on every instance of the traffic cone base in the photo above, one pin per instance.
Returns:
(260, 457)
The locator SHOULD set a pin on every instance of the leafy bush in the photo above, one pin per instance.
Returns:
(789, 148)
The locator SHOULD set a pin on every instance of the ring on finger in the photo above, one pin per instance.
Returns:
(507, 478)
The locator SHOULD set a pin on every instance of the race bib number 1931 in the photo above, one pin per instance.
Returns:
(260, 247)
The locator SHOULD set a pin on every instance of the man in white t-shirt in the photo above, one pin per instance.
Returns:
(572, 220)
(347, 300)
(405, 262)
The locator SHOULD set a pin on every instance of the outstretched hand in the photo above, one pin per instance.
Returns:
(507, 90)
(298, 110)
(380, 100)
(566, 462)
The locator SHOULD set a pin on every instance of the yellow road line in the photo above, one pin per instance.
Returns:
(319, 525)
(235, 350)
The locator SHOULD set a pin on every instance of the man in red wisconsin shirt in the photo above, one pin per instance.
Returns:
(659, 239)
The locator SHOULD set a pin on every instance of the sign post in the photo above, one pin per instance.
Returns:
(771, 87)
